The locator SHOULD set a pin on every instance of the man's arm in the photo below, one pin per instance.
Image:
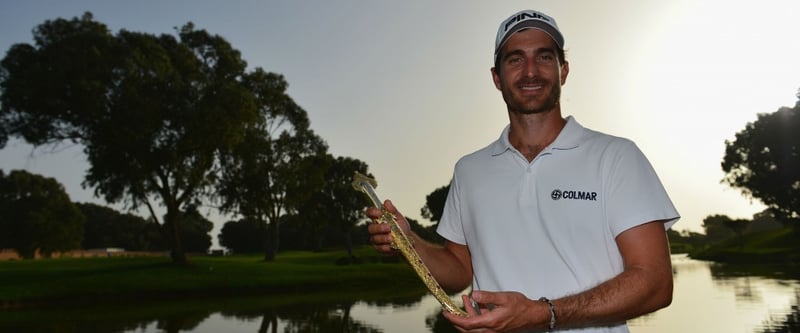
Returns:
(450, 264)
(644, 286)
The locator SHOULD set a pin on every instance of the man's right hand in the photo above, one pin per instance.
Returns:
(450, 264)
(380, 233)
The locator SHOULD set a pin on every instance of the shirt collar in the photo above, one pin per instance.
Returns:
(570, 137)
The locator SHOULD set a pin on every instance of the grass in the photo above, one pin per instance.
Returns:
(780, 246)
(27, 283)
(90, 280)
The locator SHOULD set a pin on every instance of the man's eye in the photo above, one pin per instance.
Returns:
(546, 57)
(514, 60)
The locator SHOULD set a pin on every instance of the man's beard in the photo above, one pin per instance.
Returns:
(516, 106)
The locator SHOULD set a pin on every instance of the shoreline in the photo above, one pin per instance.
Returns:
(51, 282)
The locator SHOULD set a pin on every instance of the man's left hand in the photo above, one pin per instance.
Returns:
(500, 312)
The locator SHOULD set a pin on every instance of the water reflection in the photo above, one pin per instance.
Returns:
(784, 321)
(243, 314)
(708, 298)
(721, 298)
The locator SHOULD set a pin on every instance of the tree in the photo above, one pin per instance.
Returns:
(687, 237)
(322, 206)
(195, 230)
(425, 232)
(153, 113)
(106, 227)
(737, 226)
(243, 236)
(36, 214)
(342, 206)
(763, 221)
(3, 135)
(764, 159)
(716, 228)
(257, 172)
(434, 204)
(308, 203)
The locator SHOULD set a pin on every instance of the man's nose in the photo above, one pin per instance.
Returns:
(531, 70)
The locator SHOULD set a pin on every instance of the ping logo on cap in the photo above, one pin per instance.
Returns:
(525, 16)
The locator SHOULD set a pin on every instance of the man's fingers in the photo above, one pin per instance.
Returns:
(469, 306)
(373, 212)
(390, 206)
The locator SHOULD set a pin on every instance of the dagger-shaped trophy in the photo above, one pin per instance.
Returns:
(403, 243)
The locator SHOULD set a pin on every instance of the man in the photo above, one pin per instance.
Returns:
(555, 226)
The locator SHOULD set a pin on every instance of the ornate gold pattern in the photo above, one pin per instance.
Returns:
(405, 245)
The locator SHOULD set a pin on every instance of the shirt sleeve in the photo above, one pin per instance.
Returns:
(450, 226)
(636, 194)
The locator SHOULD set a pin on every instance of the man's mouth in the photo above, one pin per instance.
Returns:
(531, 87)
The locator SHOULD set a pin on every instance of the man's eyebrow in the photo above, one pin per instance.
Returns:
(516, 52)
(521, 52)
(545, 50)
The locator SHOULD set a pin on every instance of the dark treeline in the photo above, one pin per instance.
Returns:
(37, 215)
(721, 228)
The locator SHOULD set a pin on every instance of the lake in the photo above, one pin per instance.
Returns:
(708, 298)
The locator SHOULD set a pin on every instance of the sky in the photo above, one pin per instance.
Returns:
(405, 86)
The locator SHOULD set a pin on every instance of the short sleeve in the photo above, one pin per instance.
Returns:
(634, 191)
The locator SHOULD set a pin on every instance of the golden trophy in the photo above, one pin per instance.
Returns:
(403, 243)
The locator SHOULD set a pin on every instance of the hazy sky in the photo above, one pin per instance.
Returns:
(405, 85)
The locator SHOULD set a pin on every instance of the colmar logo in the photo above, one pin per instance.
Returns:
(573, 195)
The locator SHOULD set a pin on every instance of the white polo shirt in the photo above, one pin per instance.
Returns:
(547, 228)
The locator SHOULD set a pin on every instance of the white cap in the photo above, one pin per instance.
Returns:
(527, 19)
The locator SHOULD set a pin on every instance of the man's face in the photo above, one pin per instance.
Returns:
(529, 74)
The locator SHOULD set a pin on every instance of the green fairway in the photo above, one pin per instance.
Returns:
(87, 280)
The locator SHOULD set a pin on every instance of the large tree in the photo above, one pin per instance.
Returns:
(153, 113)
(257, 173)
(764, 161)
(308, 205)
(346, 205)
(328, 200)
(36, 214)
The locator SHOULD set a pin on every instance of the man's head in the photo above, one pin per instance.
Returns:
(528, 19)
(529, 65)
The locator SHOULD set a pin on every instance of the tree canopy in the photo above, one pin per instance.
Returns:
(330, 201)
(37, 215)
(763, 161)
(258, 174)
(434, 204)
(159, 116)
(243, 236)
(106, 227)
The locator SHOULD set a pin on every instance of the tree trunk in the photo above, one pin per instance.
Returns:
(348, 243)
(269, 322)
(271, 241)
(176, 248)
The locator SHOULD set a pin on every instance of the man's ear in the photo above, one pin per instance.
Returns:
(564, 72)
(495, 78)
